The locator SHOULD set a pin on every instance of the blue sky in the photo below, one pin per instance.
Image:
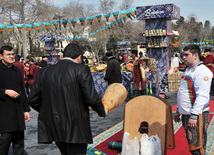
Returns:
(202, 9)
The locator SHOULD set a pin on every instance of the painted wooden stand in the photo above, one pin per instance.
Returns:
(151, 115)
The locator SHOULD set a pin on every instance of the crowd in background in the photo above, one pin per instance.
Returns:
(29, 69)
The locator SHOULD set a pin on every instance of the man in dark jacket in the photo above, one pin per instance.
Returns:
(13, 106)
(113, 72)
(62, 94)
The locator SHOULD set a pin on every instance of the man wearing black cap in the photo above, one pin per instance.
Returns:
(208, 60)
(62, 95)
(138, 75)
(113, 72)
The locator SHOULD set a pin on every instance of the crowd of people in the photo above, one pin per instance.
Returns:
(62, 93)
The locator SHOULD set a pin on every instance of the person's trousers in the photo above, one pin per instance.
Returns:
(197, 137)
(17, 140)
(72, 149)
(212, 86)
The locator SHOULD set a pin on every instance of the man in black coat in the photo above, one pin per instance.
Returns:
(62, 94)
(13, 106)
(113, 72)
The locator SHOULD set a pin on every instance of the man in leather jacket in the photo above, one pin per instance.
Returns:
(62, 94)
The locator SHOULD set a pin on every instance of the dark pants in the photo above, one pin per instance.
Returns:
(72, 149)
(17, 140)
(197, 138)
(212, 87)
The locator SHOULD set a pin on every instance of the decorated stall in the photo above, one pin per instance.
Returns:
(157, 32)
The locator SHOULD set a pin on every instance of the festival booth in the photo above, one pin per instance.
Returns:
(49, 50)
(158, 35)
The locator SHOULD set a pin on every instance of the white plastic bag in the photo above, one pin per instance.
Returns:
(130, 147)
(150, 145)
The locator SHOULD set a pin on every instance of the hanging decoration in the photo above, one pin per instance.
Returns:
(103, 29)
(118, 22)
(38, 26)
(10, 28)
(56, 24)
(129, 15)
(1, 28)
(116, 14)
(124, 12)
(82, 20)
(132, 11)
(115, 24)
(73, 22)
(47, 25)
(99, 18)
(29, 27)
(90, 19)
(107, 15)
(19, 27)
(64, 23)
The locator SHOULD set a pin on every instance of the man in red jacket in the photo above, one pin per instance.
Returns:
(32, 71)
(138, 74)
(208, 60)
(19, 65)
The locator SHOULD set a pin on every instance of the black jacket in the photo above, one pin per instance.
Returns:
(62, 94)
(12, 110)
(113, 72)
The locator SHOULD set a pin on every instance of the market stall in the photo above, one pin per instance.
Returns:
(101, 85)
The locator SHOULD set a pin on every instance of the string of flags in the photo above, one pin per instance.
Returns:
(119, 22)
(130, 13)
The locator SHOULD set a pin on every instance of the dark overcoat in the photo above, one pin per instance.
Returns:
(12, 110)
(62, 94)
(113, 72)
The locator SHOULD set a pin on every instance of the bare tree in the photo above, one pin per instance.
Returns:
(106, 6)
(22, 12)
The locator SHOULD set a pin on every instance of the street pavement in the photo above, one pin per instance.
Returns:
(98, 125)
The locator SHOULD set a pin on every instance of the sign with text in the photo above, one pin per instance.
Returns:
(170, 11)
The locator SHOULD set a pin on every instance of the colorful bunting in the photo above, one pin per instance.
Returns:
(116, 14)
(1, 28)
(132, 11)
(29, 27)
(107, 15)
(10, 28)
(64, 23)
(129, 15)
(115, 24)
(19, 27)
(38, 26)
(47, 25)
(99, 18)
(73, 22)
(90, 19)
(56, 24)
(82, 20)
(124, 12)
